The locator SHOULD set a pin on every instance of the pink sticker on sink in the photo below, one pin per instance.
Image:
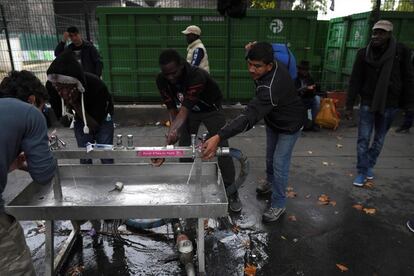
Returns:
(160, 153)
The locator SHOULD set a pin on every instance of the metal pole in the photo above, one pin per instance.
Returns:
(49, 248)
(6, 31)
(228, 61)
(376, 11)
(85, 10)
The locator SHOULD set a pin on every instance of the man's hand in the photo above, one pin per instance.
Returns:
(65, 37)
(209, 147)
(349, 114)
(19, 163)
(311, 87)
(172, 136)
(157, 162)
(249, 45)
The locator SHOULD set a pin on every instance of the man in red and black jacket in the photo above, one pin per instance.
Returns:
(192, 97)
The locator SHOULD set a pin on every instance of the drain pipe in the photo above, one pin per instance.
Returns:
(244, 167)
(185, 249)
(144, 224)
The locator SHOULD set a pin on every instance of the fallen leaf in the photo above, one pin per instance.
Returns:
(310, 152)
(295, 240)
(341, 267)
(308, 196)
(358, 207)
(339, 137)
(333, 203)
(292, 218)
(350, 174)
(76, 270)
(283, 237)
(339, 146)
(291, 194)
(323, 198)
(369, 185)
(235, 229)
(370, 211)
(250, 270)
(325, 163)
(289, 189)
(167, 123)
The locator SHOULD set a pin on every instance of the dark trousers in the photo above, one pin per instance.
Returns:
(408, 119)
(104, 135)
(213, 121)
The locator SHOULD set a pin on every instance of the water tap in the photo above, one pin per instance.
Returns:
(56, 143)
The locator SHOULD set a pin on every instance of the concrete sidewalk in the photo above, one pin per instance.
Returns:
(310, 239)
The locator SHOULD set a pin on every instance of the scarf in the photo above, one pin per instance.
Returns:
(384, 63)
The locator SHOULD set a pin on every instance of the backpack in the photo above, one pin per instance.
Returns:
(327, 116)
(282, 53)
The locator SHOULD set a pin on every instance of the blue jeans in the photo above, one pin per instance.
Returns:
(313, 104)
(367, 154)
(279, 147)
(104, 135)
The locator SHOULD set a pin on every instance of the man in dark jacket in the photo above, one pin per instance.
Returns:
(87, 97)
(307, 90)
(278, 103)
(192, 97)
(383, 78)
(24, 145)
(85, 52)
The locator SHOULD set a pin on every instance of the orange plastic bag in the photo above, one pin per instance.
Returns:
(327, 116)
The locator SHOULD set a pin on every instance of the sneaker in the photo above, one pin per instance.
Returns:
(410, 225)
(264, 188)
(402, 129)
(235, 203)
(272, 214)
(359, 180)
(370, 174)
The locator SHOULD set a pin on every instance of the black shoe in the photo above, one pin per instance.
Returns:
(264, 188)
(235, 203)
(273, 214)
(402, 129)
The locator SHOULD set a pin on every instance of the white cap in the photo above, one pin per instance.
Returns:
(383, 25)
(193, 29)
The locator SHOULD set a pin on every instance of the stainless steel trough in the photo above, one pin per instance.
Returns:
(86, 192)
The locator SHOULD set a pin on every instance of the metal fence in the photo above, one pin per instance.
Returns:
(31, 29)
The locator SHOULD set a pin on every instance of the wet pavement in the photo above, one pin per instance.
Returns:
(310, 239)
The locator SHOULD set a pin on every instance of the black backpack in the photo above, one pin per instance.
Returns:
(232, 8)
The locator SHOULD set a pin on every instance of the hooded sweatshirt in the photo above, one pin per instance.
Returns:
(95, 97)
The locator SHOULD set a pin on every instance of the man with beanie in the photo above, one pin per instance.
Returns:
(24, 145)
(196, 52)
(383, 78)
(87, 97)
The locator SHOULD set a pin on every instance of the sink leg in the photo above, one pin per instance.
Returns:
(200, 247)
(49, 248)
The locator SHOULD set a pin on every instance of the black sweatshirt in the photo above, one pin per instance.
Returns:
(276, 101)
(98, 100)
(195, 90)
